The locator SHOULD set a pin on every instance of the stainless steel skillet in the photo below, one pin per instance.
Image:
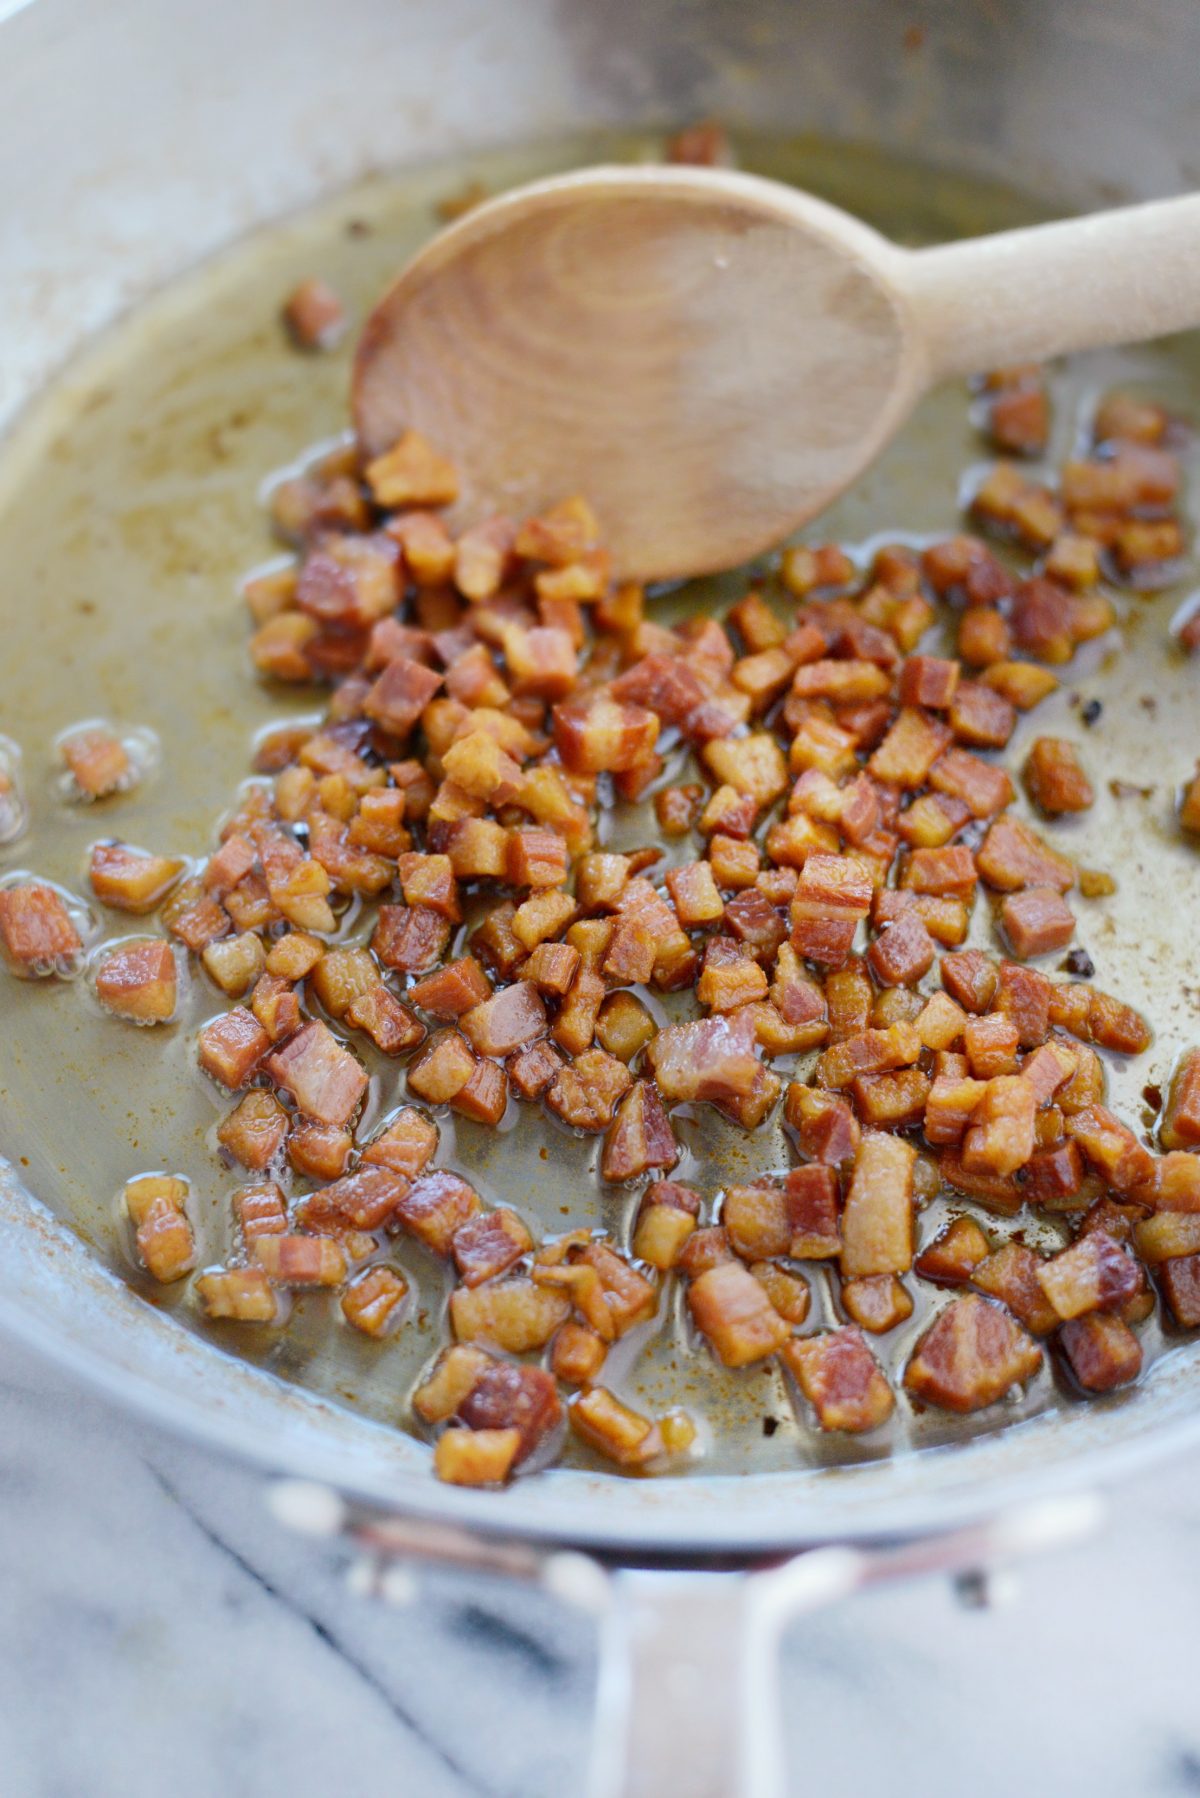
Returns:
(128, 152)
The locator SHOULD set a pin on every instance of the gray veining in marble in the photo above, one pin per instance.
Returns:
(159, 1632)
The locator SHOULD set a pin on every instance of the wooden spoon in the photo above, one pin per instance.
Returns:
(711, 358)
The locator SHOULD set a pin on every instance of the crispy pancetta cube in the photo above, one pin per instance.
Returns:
(970, 1356)
(732, 1311)
(841, 1379)
(325, 1080)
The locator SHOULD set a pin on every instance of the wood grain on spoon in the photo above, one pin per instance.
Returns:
(711, 357)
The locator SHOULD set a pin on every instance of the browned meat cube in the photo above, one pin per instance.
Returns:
(242, 1294)
(534, 1069)
(1181, 1284)
(756, 1220)
(1037, 921)
(401, 694)
(980, 716)
(510, 1019)
(787, 1292)
(877, 1304)
(798, 1217)
(732, 1311)
(1111, 1148)
(731, 978)
(577, 1354)
(903, 953)
(504, 1396)
(1117, 1026)
(391, 1026)
(1024, 996)
(950, 1107)
(928, 681)
(346, 584)
(484, 1098)
(363, 1200)
(940, 1023)
(952, 1257)
(412, 473)
(666, 1220)
(585, 1092)
(435, 1206)
(910, 749)
(1010, 1273)
(139, 982)
(300, 1260)
(1054, 1175)
(260, 1211)
(1093, 1274)
(678, 808)
(870, 1052)
(489, 1244)
(36, 932)
(832, 895)
(1012, 856)
(1166, 1236)
(321, 1150)
(324, 1079)
(1056, 781)
(713, 1059)
(276, 1004)
(131, 879)
(825, 1126)
(695, 895)
(1174, 1185)
(1102, 1352)
(254, 1131)
(475, 1457)
(454, 989)
(165, 1243)
(970, 977)
(410, 939)
(1001, 1136)
(232, 1045)
(877, 1220)
(991, 1044)
(603, 734)
(406, 1146)
(949, 872)
(517, 1316)
(1180, 1126)
(982, 787)
(429, 880)
(1019, 421)
(612, 1428)
(841, 1380)
(639, 1137)
(970, 1356)
(374, 1299)
(97, 762)
(441, 1068)
(891, 1101)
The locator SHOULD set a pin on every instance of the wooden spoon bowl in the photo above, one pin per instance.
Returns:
(711, 357)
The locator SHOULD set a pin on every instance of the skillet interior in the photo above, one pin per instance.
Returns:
(158, 647)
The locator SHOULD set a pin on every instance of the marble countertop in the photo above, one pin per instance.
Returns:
(161, 1631)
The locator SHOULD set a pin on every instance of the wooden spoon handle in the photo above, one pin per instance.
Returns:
(1114, 277)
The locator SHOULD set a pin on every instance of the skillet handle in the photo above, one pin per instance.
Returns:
(688, 1699)
(676, 1711)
